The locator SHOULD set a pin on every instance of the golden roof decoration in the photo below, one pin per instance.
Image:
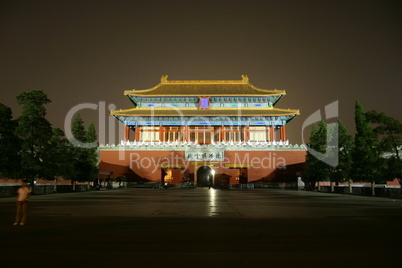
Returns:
(204, 88)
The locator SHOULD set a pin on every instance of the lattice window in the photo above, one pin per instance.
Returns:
(149, 134)
(259, 134)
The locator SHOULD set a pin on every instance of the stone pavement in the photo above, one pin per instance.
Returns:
(202, 228)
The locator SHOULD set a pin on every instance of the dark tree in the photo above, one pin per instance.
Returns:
(366, 162)
(388, 132)
(84, 151)
(35, 132)
(78, 130)
(316, 169)
(92, 151)
(59, 157)
(343, 148)
(10, 161)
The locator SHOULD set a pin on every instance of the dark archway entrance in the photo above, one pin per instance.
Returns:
(204, 176)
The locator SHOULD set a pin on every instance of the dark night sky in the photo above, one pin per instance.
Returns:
(91, 51)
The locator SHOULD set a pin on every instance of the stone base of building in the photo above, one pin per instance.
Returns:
(204, 165)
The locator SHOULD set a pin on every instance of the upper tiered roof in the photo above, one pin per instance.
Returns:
(204, 88)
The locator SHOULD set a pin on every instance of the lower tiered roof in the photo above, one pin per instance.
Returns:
(269, 111)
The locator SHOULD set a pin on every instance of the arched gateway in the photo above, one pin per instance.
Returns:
(205, 176)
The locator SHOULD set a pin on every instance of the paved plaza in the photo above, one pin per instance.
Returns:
(202, 228)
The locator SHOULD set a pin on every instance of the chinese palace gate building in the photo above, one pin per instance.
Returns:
(222, 133)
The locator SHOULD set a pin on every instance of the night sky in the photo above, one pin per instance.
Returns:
(91, 51)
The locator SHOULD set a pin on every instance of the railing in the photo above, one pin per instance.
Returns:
(227, 146)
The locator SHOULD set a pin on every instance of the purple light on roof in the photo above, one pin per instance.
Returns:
(204, 102)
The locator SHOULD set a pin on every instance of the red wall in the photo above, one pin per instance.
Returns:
(147, 164)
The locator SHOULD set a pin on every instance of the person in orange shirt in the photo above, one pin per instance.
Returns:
(22, 202)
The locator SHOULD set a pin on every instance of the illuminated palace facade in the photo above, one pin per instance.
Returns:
(220, 132)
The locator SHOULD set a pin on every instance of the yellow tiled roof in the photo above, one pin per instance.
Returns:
(205, 112)
(204, 88)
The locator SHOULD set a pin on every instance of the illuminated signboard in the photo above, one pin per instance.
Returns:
(204, 102)
(204, 155)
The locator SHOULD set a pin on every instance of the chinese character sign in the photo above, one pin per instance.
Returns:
(204, 156)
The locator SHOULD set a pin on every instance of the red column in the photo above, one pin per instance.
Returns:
(222, 133)
(186, 134)
(137, 133)
(247, 133)
(283, 128)
(283, 133)
(161, 133)
(126, 133)
(272, 133)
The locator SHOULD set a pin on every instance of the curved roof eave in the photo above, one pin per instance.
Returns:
(184, 88)
(205, 112)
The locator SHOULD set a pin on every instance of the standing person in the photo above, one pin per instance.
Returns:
(22, 201)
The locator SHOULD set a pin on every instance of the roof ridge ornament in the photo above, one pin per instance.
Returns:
(244, 78)
(164, 79)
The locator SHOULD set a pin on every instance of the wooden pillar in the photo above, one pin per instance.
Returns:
(137, 133)
(161, 133)
(247, 133)
(222, 134)
(272, 133)
(186, 134)
(126, 133)
(283, 133)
